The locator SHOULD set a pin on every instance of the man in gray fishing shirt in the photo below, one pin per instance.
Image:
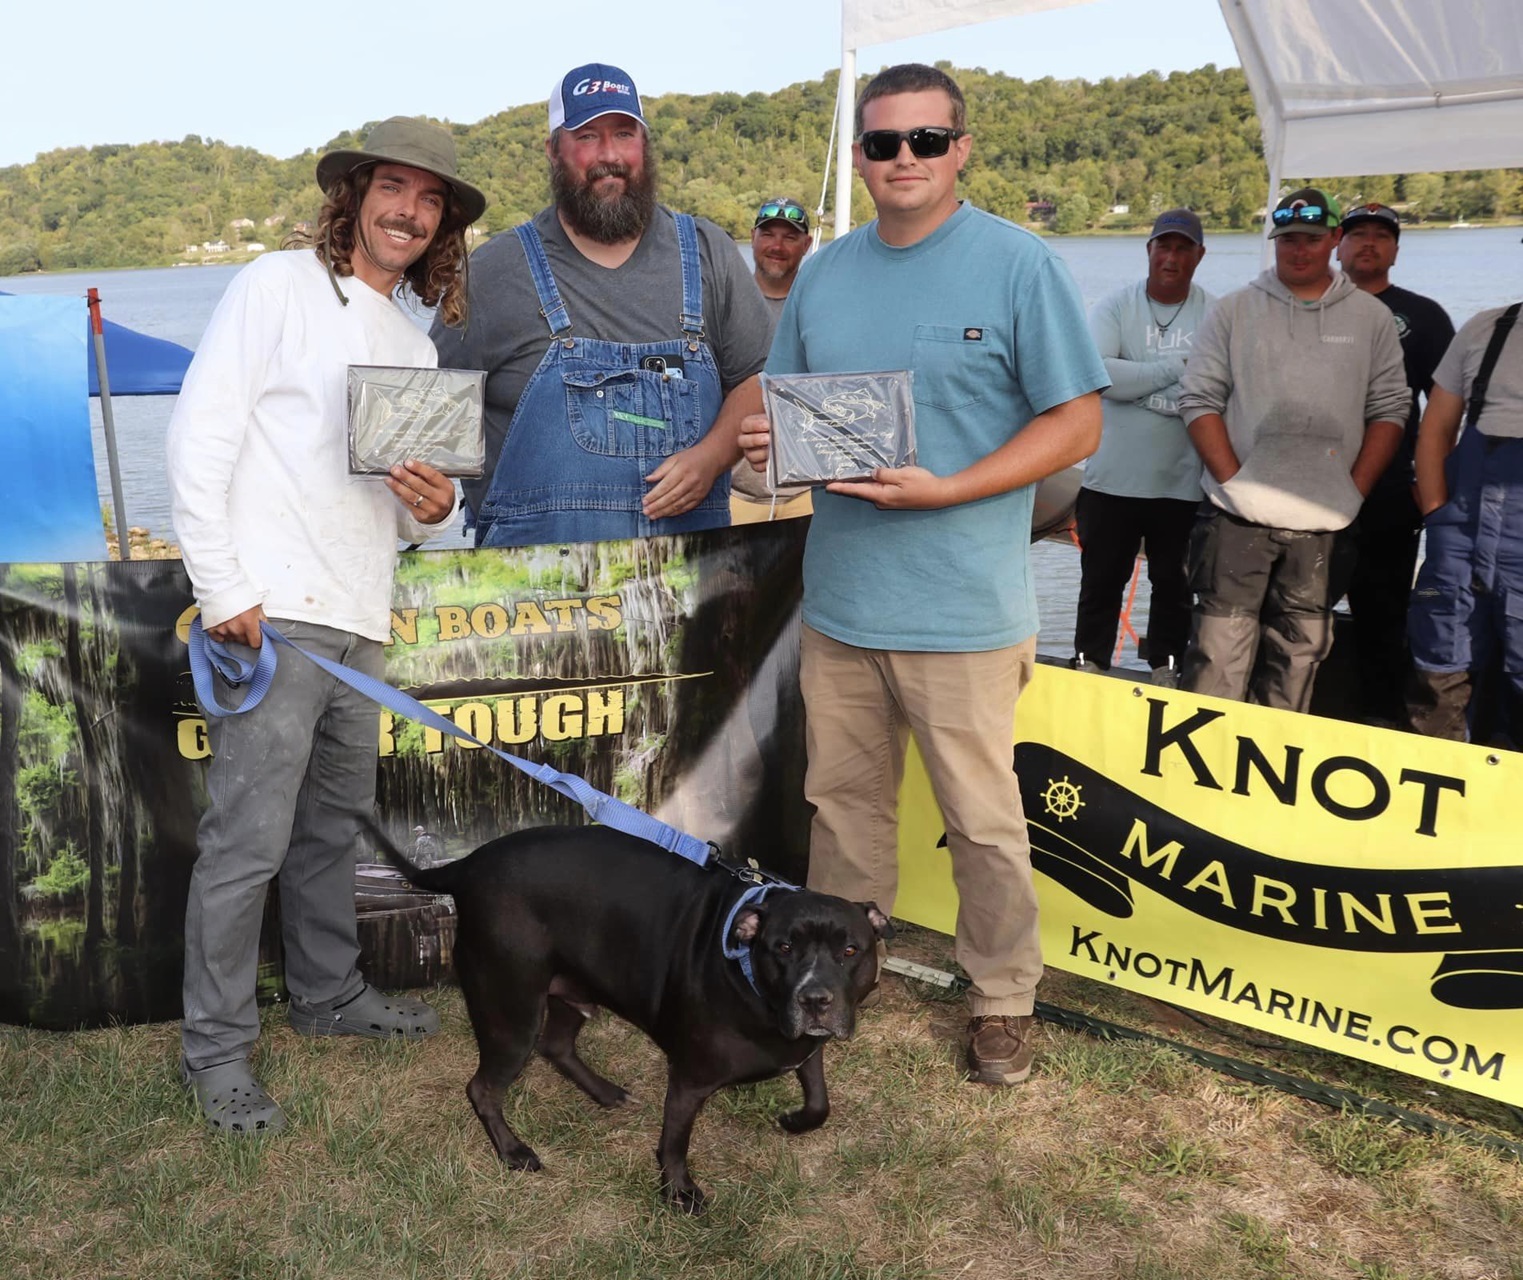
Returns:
(1142, 486)
(1295, 398)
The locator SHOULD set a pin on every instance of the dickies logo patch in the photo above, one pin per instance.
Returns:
(972, 335)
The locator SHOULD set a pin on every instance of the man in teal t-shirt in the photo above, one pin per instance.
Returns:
(919, 614)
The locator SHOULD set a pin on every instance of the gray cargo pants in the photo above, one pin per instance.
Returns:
(287, 784)
(1262, 622)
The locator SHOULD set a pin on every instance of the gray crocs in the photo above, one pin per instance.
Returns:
(232, 1100)
(371, 1013)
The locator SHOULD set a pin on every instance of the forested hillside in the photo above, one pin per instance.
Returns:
(1063, 153)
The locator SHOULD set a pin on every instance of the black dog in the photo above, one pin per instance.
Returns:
(557, 920)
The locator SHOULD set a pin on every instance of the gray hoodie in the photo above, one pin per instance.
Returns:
(1297, 384)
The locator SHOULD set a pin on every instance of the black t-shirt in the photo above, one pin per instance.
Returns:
(1425, 331)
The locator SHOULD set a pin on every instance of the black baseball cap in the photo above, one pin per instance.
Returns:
(1373, 212)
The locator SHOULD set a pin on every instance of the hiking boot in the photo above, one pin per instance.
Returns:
(999, 1049)
(1166, 677)
(1080, 663)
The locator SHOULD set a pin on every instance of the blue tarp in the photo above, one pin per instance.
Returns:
(48, 507)
(138, 365)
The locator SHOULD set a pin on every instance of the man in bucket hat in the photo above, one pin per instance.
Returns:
(275, 531)
(621, 343)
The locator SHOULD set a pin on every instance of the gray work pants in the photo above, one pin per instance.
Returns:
(1262, 622)
(287, 784)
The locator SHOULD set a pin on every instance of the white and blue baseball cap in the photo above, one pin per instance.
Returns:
(585, 93)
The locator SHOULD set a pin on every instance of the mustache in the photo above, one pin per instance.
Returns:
(402, 224)
(613, 169)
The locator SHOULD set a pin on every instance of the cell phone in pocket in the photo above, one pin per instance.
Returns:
(667, 366)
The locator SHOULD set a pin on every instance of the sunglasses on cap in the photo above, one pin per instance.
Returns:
(784, 209)
(927, 142)
(1314, 214)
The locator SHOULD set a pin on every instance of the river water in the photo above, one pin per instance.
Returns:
(1465, 269)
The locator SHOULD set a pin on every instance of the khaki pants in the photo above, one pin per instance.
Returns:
(861, 707)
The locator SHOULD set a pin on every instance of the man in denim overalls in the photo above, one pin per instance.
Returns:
(621, 343)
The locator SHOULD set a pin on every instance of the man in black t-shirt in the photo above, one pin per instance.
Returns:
(1389, 525)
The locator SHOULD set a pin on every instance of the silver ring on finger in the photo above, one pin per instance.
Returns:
(418, 501)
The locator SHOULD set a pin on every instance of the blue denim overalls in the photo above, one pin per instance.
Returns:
(1469, 594)
(593, 422)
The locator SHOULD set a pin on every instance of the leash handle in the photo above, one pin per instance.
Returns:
(600, 807)
(207, 654)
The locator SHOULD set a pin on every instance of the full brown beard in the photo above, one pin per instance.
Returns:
(606, 219)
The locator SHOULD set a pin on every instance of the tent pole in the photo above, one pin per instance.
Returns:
(119, 504)
(1266, 253)
(846, 106)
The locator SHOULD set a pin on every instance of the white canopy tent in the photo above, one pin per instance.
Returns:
(1345, 87)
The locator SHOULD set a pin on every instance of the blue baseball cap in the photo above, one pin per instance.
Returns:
(585, 93)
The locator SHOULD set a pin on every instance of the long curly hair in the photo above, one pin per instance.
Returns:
(438, 278)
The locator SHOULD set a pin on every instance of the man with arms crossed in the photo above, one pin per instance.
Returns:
(1295, 399)
(274, 530)
(1389, 525)
(1143, 484)
(621, 343)
(919, 615)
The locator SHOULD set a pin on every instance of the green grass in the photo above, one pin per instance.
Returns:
(1115, 1160)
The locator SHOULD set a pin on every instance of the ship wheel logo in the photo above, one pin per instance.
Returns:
(1062, 799)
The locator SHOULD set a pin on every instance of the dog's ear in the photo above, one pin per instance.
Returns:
(748, 921)
(881, 924)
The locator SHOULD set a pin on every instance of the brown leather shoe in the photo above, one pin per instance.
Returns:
(999, 1049)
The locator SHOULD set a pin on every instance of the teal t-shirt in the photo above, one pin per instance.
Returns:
(990, 321)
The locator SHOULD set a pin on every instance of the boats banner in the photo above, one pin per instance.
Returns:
(1351, 888)
(663, 671)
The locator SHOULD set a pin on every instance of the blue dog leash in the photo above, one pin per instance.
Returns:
(206, 653)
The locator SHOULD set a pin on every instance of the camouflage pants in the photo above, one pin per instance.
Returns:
(1262, 622)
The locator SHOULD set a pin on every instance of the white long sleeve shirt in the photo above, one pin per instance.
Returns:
(263, 504)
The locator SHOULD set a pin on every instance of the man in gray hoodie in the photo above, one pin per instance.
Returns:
(1295, 398)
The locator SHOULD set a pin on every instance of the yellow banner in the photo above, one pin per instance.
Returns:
(1356, 889)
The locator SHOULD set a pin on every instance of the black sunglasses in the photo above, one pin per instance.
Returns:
(1312, 213)
(784, 209)
(927, 142)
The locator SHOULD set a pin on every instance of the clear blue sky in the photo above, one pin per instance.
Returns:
(288, 77)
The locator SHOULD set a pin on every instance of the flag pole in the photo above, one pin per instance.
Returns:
(119, 504)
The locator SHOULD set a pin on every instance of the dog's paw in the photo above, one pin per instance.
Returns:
(525, 1160)
(802, 1120)
(689, 1199)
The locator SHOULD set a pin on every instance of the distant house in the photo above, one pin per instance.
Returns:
(1121, 208)
(1040, 208)
(253, 246)
(242, 224)
(275, 219)
(215, 246)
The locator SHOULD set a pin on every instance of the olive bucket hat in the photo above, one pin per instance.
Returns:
(415, 143)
